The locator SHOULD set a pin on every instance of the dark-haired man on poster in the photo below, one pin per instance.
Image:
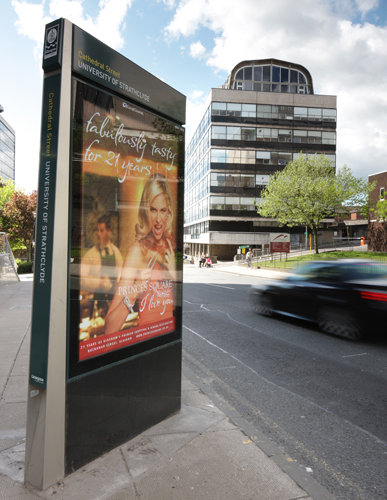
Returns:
(101, 264)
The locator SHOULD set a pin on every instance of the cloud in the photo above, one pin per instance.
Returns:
(169, 3)
(345, 58)
(197, 94)
(31, 19)
(197, 50)
(365, 6)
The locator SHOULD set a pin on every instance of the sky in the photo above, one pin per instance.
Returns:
(192, 45)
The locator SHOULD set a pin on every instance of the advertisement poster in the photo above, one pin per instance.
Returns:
(124, 245)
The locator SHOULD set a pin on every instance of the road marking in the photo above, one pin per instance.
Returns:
(209, 284)
(311, 455)
(352, 355)
(266, 380)
(220, 286)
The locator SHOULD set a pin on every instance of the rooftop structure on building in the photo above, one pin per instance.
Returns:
(7, 149)
(262, 118)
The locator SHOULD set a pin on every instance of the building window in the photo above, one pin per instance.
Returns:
(381, 192)
(261, 180)
(218, 156)
(247, 181)
(263, 157)
(315, 114)
(329, 115)
(273, 157)
(247, 156)
(314, 137)
(233, 133)
(258, 73)
(265, 134)
(231, 203)
(234, 109)
(217, 203)
(249, 110)
(218, 109)
(328, 137)
(300, 136)
(248, 134)
(247, 204)
(285, 113)
(218, 133)
(267, 111)
(277, 78)
(284, 135)
(300, 113)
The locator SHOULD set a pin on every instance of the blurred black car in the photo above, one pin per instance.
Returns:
(345, 297)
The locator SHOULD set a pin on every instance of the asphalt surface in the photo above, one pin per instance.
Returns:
(320, 398)
(207, 450)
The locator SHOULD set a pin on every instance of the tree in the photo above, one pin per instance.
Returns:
(307, 191)
(18, 219)
(381, 209)
(7, 188)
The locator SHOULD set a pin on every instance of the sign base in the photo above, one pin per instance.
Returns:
(108, 407)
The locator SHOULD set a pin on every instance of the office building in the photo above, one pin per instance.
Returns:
(259, 120)
(7, 149)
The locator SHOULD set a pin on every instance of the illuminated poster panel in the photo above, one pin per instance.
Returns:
(126, 247)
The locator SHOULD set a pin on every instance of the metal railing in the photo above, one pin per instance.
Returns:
(265, 258)
(8, 266)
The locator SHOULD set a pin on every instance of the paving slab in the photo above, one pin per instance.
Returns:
(219, 465)
(16, 389)
(12, 425)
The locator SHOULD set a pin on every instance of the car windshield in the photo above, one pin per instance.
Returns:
(310, 271)
(340, 271)
(367, 271)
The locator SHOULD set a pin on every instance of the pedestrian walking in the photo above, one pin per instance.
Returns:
(249, 257)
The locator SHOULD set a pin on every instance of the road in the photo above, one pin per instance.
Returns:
(322, 399)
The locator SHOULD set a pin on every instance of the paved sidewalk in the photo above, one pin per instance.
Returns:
(206, 451)
(244, 270)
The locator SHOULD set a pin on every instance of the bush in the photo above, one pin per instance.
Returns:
(23, 267)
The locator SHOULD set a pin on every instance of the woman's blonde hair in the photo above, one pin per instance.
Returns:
(155, 185)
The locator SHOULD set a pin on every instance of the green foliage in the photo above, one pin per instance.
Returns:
(23, 267)
(7, 188)
(381, 209)
(307, 191)
(18, 216)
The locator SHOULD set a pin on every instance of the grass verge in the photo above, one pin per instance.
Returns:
(295, 262)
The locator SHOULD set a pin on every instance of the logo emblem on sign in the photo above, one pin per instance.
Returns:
(51, 45)
(52, 35)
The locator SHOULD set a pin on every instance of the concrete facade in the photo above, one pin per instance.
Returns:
(243, 138)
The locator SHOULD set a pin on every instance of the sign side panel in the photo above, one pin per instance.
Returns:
(44, 231)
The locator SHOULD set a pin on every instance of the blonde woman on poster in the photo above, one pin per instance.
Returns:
(148, 272)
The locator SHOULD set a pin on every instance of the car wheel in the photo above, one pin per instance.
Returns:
(265, 306)
(340, 323)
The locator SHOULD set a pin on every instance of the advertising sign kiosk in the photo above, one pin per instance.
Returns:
(105, 360)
